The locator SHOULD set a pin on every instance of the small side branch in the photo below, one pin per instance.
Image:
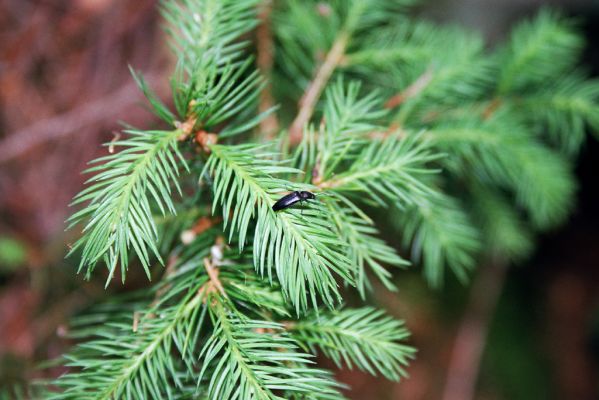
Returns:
(211, 264)
(214, 284)
(411, 91)
(315, 88)
(491, 108)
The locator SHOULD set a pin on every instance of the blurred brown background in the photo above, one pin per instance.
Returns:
(64, 86)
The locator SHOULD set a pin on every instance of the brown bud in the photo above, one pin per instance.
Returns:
(205, 140)
(186, 128)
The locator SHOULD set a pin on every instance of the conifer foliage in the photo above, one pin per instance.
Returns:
(467, 153)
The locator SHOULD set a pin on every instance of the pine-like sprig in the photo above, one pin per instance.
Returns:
(504, 151)
(209, 88)
(365, 248)
(440, 233)
(252, 359)
(365, 338)
(462, 153)
(120, 200)
(539, 51)
(299, 247)
(564, 109)
(129, 348)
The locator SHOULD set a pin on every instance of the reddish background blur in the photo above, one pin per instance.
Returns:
(64, 86)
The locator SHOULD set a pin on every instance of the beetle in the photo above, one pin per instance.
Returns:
(292, 198)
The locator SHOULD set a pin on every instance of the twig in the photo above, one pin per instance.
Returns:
(214, 283)
(411, 91)
(72, 121)
(394, 129)
(472, 333)
(116, 138)
(315, 88)
(136, 316)
(493, 106)
(211, 264)
(265, 58)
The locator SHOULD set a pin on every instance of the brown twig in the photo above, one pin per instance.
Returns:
(116, 137)
(190, 127)
(136, 317)
(411, 91)
(493, 106)
(315, 88)
(288, 325)
(214, 284)
(211, 264)
(393, 129)
(265, 58)
(472, 333)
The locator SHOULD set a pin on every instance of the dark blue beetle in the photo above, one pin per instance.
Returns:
(292, 198)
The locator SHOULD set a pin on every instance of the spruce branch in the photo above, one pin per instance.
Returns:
(440, 233)
(140, 364)
(119, 210)
(407, 43)
(364, 337)
(301, 248)
(356, 16)
(314, 90)
(389, 171)
(418, 69)
(252, 359)
(500, 148)
(140, 344)
(205, 33)
(566, 108)
(365, 248)
(208, 90)
(346, 118)
(538, 51)
(461, 131)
